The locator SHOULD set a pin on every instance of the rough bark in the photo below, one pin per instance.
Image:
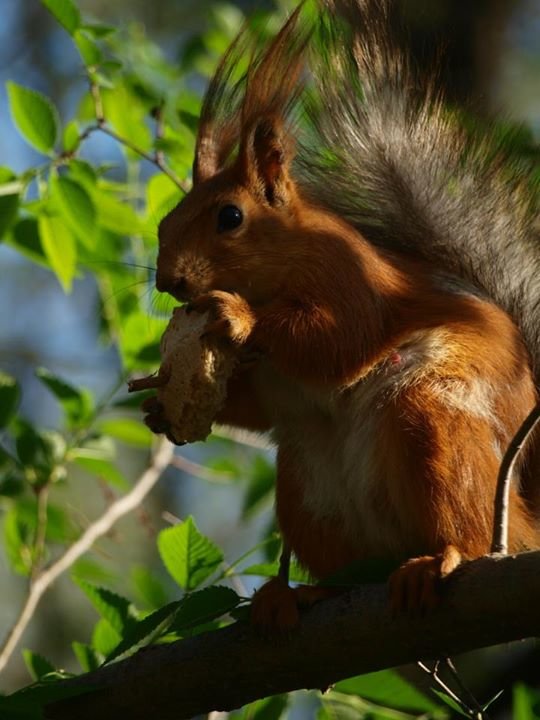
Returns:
(487, 602)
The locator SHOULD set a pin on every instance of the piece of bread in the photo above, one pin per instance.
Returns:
(192, 379)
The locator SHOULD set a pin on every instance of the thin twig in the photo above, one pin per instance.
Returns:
(235, 580)
(157, 159)
(98, 102)
(200, 471)
(164, 168)
(504, 480)
(473, 702)
(158, 116)
(443, 686)
(41, 530)
(97, 529)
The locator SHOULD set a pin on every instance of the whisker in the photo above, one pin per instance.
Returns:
(161, 304)
(121, 263)
(124, 289)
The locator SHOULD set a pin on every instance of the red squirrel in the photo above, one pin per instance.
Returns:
(370, 254)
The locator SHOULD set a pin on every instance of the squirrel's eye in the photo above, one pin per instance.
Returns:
(229, 218)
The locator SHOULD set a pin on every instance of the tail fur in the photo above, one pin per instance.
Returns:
(384, 152)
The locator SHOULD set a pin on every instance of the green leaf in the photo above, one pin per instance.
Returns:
(25, 238)
(189, 556)
(71, 136)
(145, 632)
(138, 332)
(37, 665)
(117, 610)
(11, 484)
(76, 404)
(17, 542)
(296, 573)
(261, 485)
(270, 708)
(344, 707)
(9, 199)
(226, 466)
(450, 702)
(525, 703)
(104, 469)
(88, 658)
(60, 527)
(105, 638)
(83, 173)
(162, 196)
(41, 453)
(9, 398)
(203, 606)
(77, 208)
(34, 115)
(90, 52)
(88, 569)
(148, 587)
(195, 609)
(59, 245)
(134, 401)
(66, 12)
(130, 126)
(116, 216)
(129, 431)
(98, 30)
(389, 689)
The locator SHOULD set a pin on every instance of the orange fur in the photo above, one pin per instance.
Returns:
(391, 391)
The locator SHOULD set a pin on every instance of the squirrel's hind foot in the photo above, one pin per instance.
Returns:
(416, 585)
(276, 606)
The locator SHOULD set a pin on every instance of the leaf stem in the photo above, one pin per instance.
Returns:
(41, 530)
(101, 125)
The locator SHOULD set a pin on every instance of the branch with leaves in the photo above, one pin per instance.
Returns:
(150, 652)
(44, 578)
(489, 601)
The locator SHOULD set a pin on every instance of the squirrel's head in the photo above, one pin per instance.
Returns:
(231, 231)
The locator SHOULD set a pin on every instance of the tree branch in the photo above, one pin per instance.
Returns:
(499, 542)
(488, 601)
(97, 529)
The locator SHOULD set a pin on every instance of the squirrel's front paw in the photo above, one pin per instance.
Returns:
(156, 420)
(231, 318)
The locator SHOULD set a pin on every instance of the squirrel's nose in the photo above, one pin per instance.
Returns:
(177, 287)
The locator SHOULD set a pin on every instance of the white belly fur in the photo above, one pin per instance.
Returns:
(333, 437)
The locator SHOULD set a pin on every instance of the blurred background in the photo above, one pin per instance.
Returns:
(492, 68)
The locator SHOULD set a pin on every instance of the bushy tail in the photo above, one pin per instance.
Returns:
(396, 163)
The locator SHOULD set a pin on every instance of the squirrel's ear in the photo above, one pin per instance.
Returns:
(265, 160)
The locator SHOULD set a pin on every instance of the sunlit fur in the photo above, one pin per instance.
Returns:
(390, 388)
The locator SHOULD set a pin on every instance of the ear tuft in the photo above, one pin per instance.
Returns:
(265, 161)
(269, 157)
